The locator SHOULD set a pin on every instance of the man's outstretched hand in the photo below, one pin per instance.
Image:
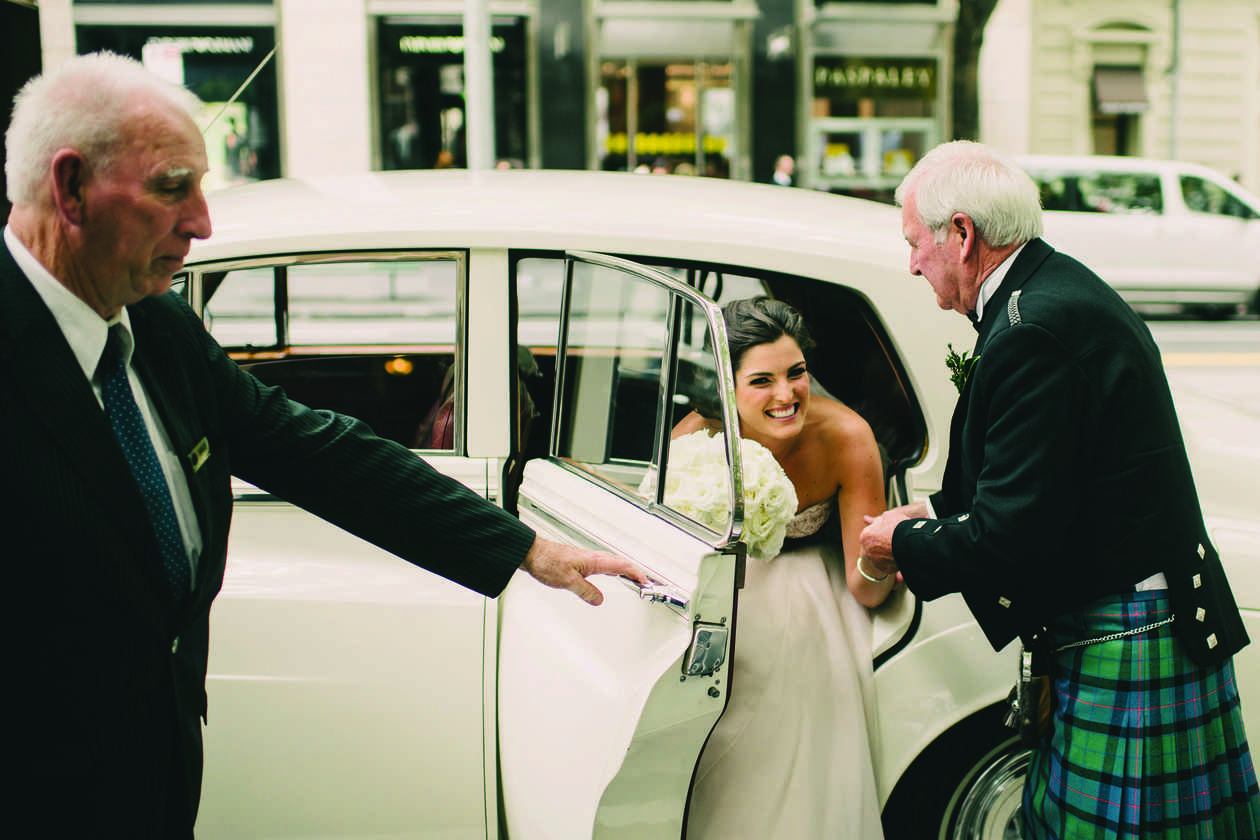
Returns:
(567, 567)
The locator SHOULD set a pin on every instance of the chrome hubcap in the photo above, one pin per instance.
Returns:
(991, 810)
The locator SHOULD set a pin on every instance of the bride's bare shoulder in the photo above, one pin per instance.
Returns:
(838, 423)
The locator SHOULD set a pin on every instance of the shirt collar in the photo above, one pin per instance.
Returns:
(84, 329)
(990, 285)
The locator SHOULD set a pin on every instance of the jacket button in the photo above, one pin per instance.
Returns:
(1004, 602)
(1198, 581)
(1211, 641)
(1202, 551)
(175, 645)
(1200, 615)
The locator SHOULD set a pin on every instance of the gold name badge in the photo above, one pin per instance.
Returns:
(200, 454)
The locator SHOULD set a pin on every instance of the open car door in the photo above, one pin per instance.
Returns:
(603, 711)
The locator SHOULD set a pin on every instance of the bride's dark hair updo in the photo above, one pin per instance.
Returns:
(762, 320)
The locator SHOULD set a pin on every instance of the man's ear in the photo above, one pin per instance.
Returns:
(69, 187)
(966, 231)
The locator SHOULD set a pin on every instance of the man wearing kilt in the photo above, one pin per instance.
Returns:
(1068, 516)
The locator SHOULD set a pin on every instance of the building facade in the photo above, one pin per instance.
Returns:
(1170, 79)
(853, 91)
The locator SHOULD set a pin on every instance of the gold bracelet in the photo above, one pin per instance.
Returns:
(863, 573)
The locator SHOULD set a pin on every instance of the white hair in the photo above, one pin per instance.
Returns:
(81, 104)
(965, 177)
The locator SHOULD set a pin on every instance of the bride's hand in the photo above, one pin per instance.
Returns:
(876, 540)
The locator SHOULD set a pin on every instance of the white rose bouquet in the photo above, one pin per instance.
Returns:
(696, 485)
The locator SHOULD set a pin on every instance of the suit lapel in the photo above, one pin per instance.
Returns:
(995, 317)
(1025, 265)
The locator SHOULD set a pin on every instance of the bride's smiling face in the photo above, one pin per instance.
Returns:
(772, 391)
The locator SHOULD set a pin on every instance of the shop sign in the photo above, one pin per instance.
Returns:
(441, 44)
(203, 44)
(874, 78)
(664, 143)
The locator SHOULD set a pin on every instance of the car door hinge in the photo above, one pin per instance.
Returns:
(707, 653)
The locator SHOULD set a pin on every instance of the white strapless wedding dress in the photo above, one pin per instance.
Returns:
(790, 759)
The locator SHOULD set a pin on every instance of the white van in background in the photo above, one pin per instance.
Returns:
(1165, 234)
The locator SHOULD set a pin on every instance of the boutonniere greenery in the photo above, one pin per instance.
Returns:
(960, 365)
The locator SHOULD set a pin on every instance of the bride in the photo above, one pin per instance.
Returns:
(791, 756)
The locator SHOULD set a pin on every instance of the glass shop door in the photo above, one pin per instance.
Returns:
(667, 117)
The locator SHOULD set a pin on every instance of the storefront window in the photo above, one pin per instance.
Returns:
(242, 138)
(421, 93)
(872, 119)
(666, 117)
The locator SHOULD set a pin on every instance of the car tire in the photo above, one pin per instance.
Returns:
(967, 785)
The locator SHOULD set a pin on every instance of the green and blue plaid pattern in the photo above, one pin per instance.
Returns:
(1145, 743)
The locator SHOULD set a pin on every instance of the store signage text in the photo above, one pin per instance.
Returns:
(851, 78)
(451, 44)
(205, 44)
(666, 143)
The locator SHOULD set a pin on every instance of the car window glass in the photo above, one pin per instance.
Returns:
(539, 284)
(1204, 196)
(375, 339)
(1057, 192)
(1120, 192)
(242, 312)
(621, 394)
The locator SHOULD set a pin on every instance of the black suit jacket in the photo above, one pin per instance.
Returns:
(1067, 476)
(106, 685)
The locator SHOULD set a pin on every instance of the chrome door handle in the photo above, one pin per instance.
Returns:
(659, 592)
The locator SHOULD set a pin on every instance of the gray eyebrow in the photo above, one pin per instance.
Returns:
(175, 173)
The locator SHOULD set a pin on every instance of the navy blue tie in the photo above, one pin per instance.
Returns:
(124, 415)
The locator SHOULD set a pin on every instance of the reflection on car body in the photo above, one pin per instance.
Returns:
(352, 693)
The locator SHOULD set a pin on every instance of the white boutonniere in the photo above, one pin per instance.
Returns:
(960, 365)
(696, 485)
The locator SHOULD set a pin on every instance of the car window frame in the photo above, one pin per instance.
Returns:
(678, 291)
(192, 284)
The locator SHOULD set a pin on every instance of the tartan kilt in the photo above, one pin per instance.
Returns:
(1145, 742)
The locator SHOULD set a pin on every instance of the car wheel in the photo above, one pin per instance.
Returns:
(988, 804)
(967, 785)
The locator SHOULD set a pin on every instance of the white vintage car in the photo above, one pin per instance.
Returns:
(1167, 235)
(537, 335)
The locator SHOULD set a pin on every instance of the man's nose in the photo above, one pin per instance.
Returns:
(196, 220)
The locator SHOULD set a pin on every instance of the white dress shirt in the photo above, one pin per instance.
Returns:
(989, 287)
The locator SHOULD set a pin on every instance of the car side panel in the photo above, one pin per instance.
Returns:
(345, 687)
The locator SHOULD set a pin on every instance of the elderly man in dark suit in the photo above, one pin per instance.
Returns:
(123, 422)
(1068, 517)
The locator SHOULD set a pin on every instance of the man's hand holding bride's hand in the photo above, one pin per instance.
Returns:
(876, 538)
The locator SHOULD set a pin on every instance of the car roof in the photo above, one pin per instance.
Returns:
(668, 215)
(1111, 163)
